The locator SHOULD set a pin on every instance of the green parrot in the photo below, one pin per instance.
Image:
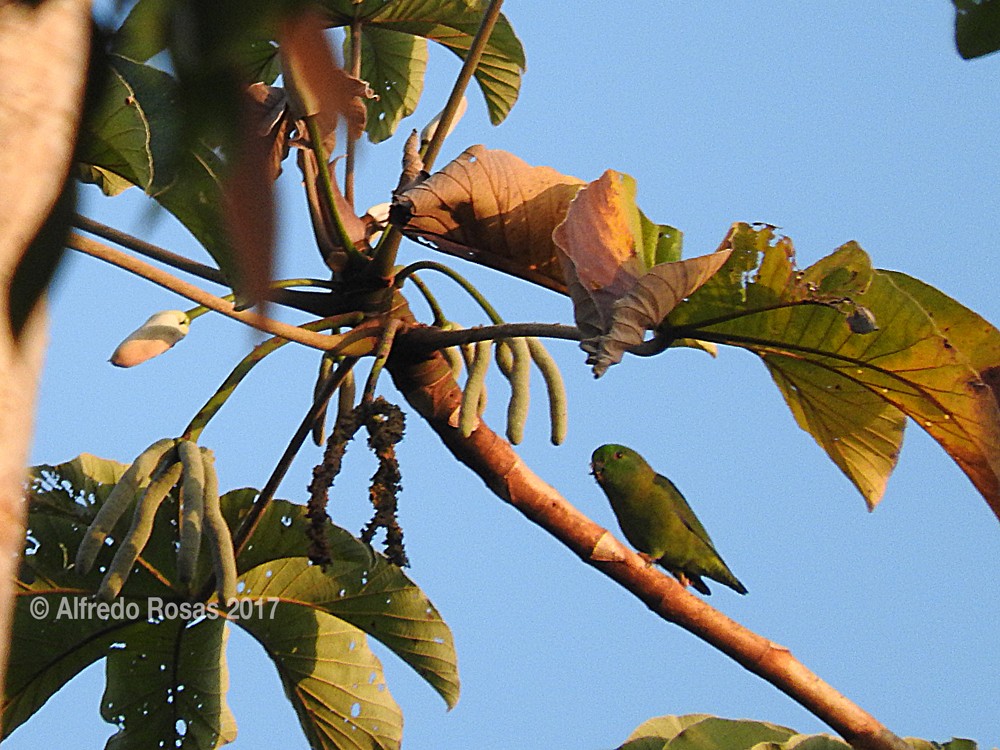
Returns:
(657, 520)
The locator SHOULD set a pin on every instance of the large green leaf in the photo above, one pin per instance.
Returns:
(168, 680)
(977, 27)
(931, 359)
(393, 63)
(167, 675)
(134, 133)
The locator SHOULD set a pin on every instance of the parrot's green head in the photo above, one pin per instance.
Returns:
(615, 465)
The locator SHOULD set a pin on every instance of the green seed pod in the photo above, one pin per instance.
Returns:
(138, 534)
(192, 509)
(117, 502)
(520, 393)
(454, 357)
(555, 388)
(468, 415)
(223, 555)
(505, 357)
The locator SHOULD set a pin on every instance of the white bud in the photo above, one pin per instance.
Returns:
(152, 338)
(428, 132)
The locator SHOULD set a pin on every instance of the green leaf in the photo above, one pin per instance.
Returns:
(329, 674)
(359, 587)
(452, 23)
(932, 359)
(134, 133)
(393, 63)
(168, 663)
(977, 27)
(176, 666)
(703, 732)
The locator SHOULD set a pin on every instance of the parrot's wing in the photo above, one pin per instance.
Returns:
(684, 511)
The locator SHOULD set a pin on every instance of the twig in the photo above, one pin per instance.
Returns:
(388, 246)
(149, 250)
(190, 291)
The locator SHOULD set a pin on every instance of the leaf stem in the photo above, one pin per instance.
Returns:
(149, 250)
(388, 247)
(327, 190)
(451, 273)
(426, 338)
(190, 291)
(381, 355)
(355, 36)
(435, 306)
(214, 404)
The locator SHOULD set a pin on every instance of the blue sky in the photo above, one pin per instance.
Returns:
(834, 121)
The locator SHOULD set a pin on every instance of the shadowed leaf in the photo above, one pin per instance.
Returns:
(311, 622)
(977, 27)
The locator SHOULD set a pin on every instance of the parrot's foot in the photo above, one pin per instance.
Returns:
(650, 561)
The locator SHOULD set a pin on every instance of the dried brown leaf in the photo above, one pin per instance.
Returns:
(651, 299)
(492, 208)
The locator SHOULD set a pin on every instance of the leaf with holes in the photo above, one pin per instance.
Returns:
(167, 675)
(492, 208)
(394, 64)
(930, 359)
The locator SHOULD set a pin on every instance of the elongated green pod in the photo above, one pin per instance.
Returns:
(520, 392)
(554, 386)
(221, 541)
(345, 396)
(117, 502)
(505, 357)
(468, 415)
(192, 509)
(319, 426)
(454, 358)
(138, 534)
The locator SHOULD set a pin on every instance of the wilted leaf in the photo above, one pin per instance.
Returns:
(316, 84)
(490, 207)
(623, 271)
(977, 27)
(931, 358)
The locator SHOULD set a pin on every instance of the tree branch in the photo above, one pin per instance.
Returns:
(169, 281)
(428, 386)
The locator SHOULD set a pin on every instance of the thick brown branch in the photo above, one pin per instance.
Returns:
(427, 384)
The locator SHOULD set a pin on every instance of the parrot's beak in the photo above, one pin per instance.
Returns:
(595, 468)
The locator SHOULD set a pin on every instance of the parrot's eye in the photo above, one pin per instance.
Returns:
(619, 454)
